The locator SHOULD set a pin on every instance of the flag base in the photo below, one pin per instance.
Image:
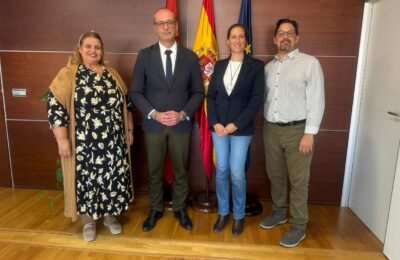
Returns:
(205, 202)
(253, 206)
(167, 197)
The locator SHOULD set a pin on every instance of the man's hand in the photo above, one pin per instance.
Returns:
(169, 118)
(306, 144)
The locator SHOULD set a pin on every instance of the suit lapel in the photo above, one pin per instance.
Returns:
(224, 65)
(156, 57)
(246, 65)
(178, 64)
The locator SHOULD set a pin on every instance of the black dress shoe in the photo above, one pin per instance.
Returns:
(221, 222)
(184, 219)
(151, 220)
(237, 227)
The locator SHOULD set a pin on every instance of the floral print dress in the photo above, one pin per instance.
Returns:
(103, 182)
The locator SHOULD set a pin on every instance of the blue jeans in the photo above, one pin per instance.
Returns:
(231, 152)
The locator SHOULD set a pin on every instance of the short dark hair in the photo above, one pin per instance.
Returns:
(287, 20)
(237, 25)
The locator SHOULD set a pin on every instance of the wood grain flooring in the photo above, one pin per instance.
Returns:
(30, 229)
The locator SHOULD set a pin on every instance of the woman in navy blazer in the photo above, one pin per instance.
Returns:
(234, 98)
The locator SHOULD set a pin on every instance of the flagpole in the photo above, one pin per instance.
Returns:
(205, 202)
(206, 48)
(207, 189)
(253, 206)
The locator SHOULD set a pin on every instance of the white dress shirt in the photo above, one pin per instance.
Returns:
(295, 90)
(174, 49)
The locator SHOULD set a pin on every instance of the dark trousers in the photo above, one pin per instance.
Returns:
(283, 161)
(156, 147)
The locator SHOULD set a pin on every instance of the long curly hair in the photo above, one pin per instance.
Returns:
(76, 57)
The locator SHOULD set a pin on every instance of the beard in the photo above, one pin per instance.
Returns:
(285, 45)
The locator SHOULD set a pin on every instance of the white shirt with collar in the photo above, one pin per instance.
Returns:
(295, 90)
(174, 49)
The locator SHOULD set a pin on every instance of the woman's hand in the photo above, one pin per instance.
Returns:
(230, 128)
(64, 148)
(130, 129)
(219, 129)
(131, 137)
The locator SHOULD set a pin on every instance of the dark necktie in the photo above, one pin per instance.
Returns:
(168, 66)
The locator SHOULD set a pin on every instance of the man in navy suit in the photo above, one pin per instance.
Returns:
(167, 88)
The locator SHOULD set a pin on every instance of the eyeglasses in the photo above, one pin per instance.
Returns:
(289, 34)
(161, 24)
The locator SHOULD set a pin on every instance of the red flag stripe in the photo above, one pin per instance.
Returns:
(208, 6)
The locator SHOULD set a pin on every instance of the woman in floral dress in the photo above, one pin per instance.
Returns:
(92, 123)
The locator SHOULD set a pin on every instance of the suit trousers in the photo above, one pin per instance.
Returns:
(283, 162)
(178, 147)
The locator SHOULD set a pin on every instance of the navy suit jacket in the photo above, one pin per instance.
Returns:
(149, 88)
(245, 100)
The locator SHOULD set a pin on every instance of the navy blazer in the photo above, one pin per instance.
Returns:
(149, 88)
(245, 100)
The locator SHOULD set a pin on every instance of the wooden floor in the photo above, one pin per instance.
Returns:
(30, 229)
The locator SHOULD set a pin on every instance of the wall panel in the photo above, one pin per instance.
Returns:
(44, 25)
(5, 176)
(327, 167)
(329, 28)
(34, 154)
(35, 71)
(340, 75)
(56, 25)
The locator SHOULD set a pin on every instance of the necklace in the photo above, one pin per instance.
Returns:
(235, 71)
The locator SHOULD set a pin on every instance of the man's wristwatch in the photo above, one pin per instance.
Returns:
(183, 116)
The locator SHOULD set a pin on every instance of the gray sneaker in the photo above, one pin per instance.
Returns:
(293, 237)
(273, 219)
